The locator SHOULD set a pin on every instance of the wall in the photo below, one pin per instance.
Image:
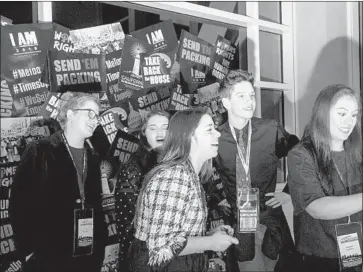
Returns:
(322, 48)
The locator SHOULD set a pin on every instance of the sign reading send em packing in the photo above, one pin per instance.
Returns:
(79, 72)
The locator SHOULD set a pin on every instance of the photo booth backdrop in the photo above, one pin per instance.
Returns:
(131, 74)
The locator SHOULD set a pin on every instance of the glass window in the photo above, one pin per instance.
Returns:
(272, 107)
(19, 12)
(237, 7)
(270, 57)
(270, 11)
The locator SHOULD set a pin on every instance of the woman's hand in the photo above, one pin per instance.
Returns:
(220, 241)
(224, 228)
(278, 199)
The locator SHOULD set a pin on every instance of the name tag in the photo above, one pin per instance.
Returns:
(349, 238)
(83, 232)
(248, 210)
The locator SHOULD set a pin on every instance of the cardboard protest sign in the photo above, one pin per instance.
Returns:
(5, 20)
(6, 100)
(123, 146)
(224, 54)
(153, 99)
(51, 106)
(61, 39)
(99, 39)
(23, 50)
(131, 66)
(195, 59)
(182, 101)
(161, 37)
(113, 63)
(164, 42)
(209, 97)
(112, 120)
(28, 96)
(77, 72)
(110, 262)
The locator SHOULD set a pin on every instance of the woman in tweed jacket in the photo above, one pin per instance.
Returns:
(171, 211)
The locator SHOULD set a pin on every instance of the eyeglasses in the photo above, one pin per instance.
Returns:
(91, 114)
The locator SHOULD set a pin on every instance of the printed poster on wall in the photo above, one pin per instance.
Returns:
(224, 54)
(78, 72)
(98, 39)
(131, 66)
(195, 59)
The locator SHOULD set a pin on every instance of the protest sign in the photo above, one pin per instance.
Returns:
(50, 108)
(131, 66)
(112, 120)
(61, 39)
(113, 63)
(6, 100)
(195, 59)
(23, 50)
(99, 39)
(28, 96)
(182, 101)
(5, 20)
(78, 72)
(123, 146)
(153, 99)
(164, 43)
(223, 55)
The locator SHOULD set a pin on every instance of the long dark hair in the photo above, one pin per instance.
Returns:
(316, 136)
(177, 145)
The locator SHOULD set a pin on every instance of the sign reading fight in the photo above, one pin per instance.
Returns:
(195, 58)
(76, 72)
(123, 146)
(224, 54)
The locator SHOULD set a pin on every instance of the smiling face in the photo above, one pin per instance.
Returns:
(205, 138)
(242, 102)
(80, 122)
(156, 130)
(343, 118)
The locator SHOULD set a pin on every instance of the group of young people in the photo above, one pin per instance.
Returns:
(161, 207)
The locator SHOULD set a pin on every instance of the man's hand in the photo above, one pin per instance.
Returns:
(278, 199)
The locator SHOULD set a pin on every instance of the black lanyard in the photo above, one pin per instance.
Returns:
(80, 181)
(341, 179)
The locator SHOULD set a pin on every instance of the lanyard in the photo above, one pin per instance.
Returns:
(245, 162)
(80, 181)
(342, 182)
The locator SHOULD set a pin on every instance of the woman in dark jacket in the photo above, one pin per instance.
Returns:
(130, 175)
(57, 178)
